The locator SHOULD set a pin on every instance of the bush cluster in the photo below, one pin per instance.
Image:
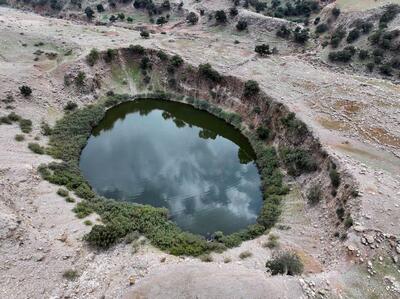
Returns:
(285, 263)
(297, 161)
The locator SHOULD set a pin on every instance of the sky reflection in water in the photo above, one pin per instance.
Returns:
(172, 155)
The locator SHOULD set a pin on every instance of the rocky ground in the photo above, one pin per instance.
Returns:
(356, 118)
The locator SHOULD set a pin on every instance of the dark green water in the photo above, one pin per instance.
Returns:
(171, 155)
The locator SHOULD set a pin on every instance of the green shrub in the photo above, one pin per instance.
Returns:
(283, 32)
(137, 49)
(80, 79)
(262, 133)
(295, 126)
(162, 55)
(286, 263)
(353, 35)
(206, 258)
(241, 25)
(337, 36)
(270, 211)
(348, 222)
(25, 125)
(88, 222)
(69, 199)
(176, 61)
(62, 192)
(321, 28)
(13, 116)
(84, 191)
(314, 194)
(5, 120)
(221, 17)
(110, 55)
(297, 161)
(145, 63)
(192, 18)
(245, 254)
(272, 241)
(144, 34)
(363, 54)
(25, 90)
(93, 57)
(262, 49)
(335, 178)
(341, 56)
(251, 88)
(19, 137)
(336, 12)
(340, 213)
(36, 148)
(45, 129)
(70, 274)
(82, 209)
(208, 72)
(70, 106)
(301, 36)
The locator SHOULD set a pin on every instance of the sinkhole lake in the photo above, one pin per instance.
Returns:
(169, 154)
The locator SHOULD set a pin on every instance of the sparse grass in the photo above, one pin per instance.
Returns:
(227, 260)
(70, 274)
(272, 241)
(36, 148)
(314, 194)
(245, 254)
(206, 258)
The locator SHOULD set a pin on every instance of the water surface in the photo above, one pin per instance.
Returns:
(171, 155)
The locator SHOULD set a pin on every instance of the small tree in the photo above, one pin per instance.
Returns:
(262, 49)
(192, 18)
(251, 88)
(25, 90)
(89, 13)
(220, 16)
